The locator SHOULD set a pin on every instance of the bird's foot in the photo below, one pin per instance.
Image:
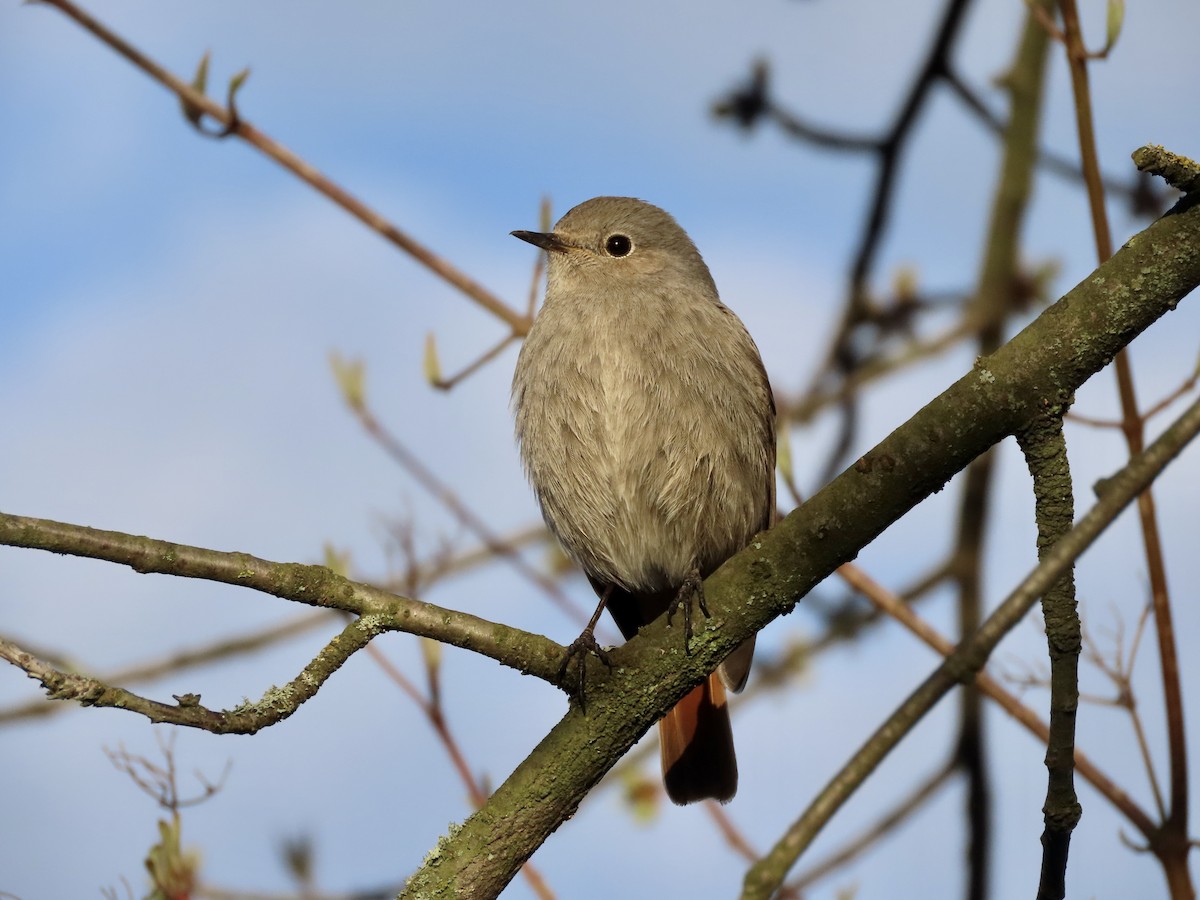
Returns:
(579, 649)
(691, 591)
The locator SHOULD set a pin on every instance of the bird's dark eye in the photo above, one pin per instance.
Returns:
(618, 245)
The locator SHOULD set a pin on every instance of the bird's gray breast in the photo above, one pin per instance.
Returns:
(645, 437)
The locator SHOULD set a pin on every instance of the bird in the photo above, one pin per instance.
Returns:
(646, 426)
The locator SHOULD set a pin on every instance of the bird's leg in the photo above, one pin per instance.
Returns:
(585, 644)
(691, 589)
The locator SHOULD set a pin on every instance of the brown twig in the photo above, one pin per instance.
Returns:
(1046, 159)
(1171, 844)
(732, 834)
(235, 125)
(161, 783)
(442, 492)
(539, 266)
(439, 566)
(905, 807)
(1120, 672)
(431, 708)
(819, 397)
(893, 606)
(1165, 403)
(965, 663)
(446, 384)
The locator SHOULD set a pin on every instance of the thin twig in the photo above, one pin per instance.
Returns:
(474, 366)
(817, 398)
(893, 606)
(905, 807)
(442, 492)
(308, 584)
(732, 834)
(439, 567)
(1120, 673)
(235, 125)
(181, 660)
(1173, 848)
(966, 661)
(1049, 160)
(1165, 403)
(276, 704)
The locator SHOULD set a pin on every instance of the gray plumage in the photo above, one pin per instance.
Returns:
(643, 411)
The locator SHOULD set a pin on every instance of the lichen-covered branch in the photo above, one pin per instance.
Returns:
(313, 585)
(1045, 451)
(997, 297)
(895, 607)
(1173, 846)
(1178, 171)
(176, 661)
(1002, 394)
(765, 877)
(247, 718)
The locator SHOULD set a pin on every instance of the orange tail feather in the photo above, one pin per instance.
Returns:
(697, 746)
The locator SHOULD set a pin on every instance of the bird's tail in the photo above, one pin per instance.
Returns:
(697, 746)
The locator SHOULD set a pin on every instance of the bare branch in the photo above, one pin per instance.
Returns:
(235, 125)
(1045, 451)
(1038, 369)
(248, 718)
(966, 661)
(183, 659)
(891, 605)
(1173, 848)
(317, 586)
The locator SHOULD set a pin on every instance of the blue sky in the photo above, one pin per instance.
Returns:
(168, 308)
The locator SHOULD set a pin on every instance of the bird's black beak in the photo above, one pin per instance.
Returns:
(548, 241)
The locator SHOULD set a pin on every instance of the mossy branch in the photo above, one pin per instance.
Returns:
(378, 611)
(1178, 171)
(276, 704)
(1045, 451)
(765, 877)
(1031, 376)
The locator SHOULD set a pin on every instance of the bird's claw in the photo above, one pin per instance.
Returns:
(579, 649)
(691, 590)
